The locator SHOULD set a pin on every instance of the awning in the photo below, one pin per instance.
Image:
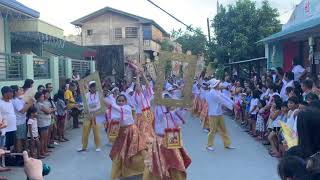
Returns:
(293, 30)
(70, 50)
(17, 6)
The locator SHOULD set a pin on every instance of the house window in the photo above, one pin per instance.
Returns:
(89, 32)
(131, 32)
(118, 33)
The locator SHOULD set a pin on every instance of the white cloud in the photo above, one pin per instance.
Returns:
(195, 12)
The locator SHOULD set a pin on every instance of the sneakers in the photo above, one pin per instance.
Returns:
(210, 148)
(206, 131)
(98, 150)
(81, 150)
(230, 147)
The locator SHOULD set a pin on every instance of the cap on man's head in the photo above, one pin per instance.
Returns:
(6, 89)
(92, 82)
(213, 83)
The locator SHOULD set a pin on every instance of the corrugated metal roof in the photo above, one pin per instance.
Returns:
(80, 21)
(312, 23)
(13, 4)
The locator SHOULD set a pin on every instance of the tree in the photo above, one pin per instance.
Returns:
(195, 40)
(239, 27)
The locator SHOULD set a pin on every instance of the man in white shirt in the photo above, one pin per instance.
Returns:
(94, 106)
(7, 112)
(287, 82)
(298, 70)
(215, 102)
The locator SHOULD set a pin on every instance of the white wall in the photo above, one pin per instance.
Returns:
(2, 46)
(103, 33)
(2, 50)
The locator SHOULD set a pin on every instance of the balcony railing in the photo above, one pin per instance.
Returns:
(149, 45)
(10, 67)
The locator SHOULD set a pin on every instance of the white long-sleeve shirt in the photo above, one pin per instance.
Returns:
(125, 112)
(166, 119)
(93, 101)
(215, 102)
(142, 100)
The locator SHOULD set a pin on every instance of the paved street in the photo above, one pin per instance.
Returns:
(249, 161)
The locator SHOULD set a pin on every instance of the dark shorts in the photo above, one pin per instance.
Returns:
(10, 139)
(253, 117)
(21, 131)
(43, 128)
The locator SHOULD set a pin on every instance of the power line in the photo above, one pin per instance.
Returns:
(187, 26)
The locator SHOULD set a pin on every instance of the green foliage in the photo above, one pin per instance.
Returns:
(239, 27)
(166, 45)
(195, 40)
(219, 73)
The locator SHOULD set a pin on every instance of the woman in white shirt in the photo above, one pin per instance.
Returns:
(142, 99)
(166, 163)
(127, 153)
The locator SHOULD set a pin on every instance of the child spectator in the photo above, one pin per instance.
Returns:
(287, 82)
(246, 102)
(61, 114)
(284, 117)
(311, 97)
(33, 134)
(260, 129)
(253, 111)
(303, 105)
(273, 119)
(293, 104)
(307, 86)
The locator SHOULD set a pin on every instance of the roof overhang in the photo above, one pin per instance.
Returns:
(36, 25)
(301, 29)
(19, 8)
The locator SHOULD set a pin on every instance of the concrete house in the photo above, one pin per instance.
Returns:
(33, 49)
(140, 37)
(299, 38)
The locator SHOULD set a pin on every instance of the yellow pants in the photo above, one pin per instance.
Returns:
(174, 175)
(87, 126)
(217, 124)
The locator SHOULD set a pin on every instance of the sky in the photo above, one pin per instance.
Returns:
(192, 12)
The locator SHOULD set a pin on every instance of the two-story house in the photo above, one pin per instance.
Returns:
(140, 37)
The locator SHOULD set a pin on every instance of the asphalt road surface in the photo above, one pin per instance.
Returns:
(249, 161)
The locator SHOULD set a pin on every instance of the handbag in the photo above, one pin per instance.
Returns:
(172, 136)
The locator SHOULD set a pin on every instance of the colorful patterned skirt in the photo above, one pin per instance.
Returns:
(145, 123)
(127, 153)
(204, 116)
(165, 164)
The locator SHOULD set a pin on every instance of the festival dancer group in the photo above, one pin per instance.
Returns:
(138, 131)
